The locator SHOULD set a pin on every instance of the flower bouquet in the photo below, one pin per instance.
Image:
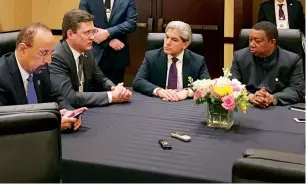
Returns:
(223, 96)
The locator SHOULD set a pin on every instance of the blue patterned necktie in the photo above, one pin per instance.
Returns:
(32, 98)
(172, 77)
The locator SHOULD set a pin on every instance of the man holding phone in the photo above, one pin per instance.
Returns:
(74, 71)
(24, 75)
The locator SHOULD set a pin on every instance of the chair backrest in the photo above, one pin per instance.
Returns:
(268, 166)
(7, 42)
(288, 39)
(30, 143)
(156, 41)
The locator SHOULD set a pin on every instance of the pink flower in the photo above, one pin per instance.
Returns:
(197, 95)
(236, 85)
(228, 102)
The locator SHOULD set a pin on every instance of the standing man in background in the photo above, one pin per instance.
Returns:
(114, 19)
(285, 14)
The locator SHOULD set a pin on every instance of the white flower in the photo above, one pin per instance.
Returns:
(202, 84)
(236, 94)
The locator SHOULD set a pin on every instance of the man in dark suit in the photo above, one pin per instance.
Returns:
(285, 14)
(164, 72)
(115, 19)
(24, 75)
(73, 69)
(272, 75)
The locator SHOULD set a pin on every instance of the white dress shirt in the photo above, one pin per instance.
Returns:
(76, 56)
(24, 75)
(111, 7)
(282, 24)
(179, 67)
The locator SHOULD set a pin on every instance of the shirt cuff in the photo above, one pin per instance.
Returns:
(190, 93)
(155, 91)
(110, 97)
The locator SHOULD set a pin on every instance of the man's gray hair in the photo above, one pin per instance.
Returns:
(186, 34)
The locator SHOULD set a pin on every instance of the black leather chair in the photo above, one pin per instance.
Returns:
(7, 42)
(269, 166)
(156, 41)
(30, 143)
(288, 39)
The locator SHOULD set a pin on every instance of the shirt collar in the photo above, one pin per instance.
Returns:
(75, 53)
(179, 57)
(24, 74)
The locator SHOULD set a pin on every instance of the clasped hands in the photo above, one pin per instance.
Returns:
(261, 98)
(103, 34)
(120, 93)
(172, 95)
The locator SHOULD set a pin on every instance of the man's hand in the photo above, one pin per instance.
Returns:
(116, 44)
(182, 95)
(68, 121)
(120, 93)
(101, 35)
(261, 98)
(167, 94)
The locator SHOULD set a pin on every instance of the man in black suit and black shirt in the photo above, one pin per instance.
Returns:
(272, 75)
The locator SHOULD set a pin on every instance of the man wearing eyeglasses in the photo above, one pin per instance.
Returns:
(74, 71)
(114, 19)
(24, 75)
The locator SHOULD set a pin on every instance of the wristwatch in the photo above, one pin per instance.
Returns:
(274, 100)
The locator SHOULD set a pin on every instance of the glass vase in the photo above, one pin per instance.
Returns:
(218, 117)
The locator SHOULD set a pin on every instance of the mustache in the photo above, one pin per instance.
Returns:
(40, 69)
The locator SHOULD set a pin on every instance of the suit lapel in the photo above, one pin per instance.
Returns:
(271, 11)
(38, 90)
(72, 63)
(290, 11)
(114, 9)
(163, 68)
(17, 80)
(86, 70)
(186, 68)
(103, 10)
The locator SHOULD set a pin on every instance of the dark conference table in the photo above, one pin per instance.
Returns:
(119, 143)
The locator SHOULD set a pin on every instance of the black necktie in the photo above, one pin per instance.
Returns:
(107, 4)
(281, 13)
(80, 67)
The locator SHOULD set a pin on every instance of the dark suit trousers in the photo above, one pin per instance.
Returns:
(116, 75)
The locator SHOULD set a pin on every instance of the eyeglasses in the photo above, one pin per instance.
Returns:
(90, 32)
(42, 53)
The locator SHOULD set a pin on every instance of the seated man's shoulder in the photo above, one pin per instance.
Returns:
(154, 53)
(193, 54)
(288, 56)
(242, 53)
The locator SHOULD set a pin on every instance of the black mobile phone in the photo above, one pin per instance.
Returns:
(164, 144)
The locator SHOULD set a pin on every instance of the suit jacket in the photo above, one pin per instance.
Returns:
(153, 70)
(63, 73)
(295, 14)
(122, 21)
(12, 91)
(284, 79)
